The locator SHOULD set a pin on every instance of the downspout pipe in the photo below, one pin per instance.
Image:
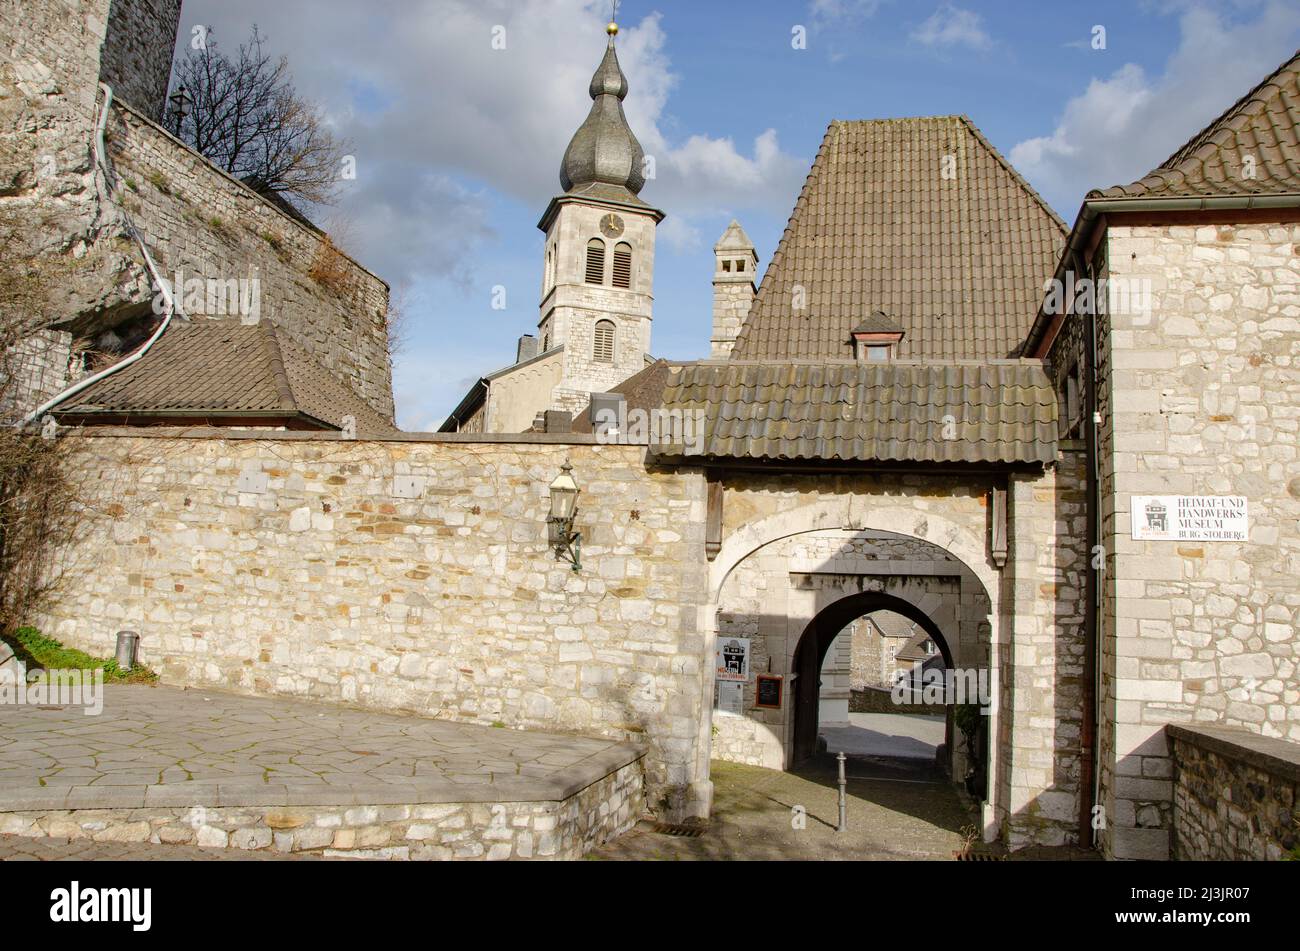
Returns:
(164, 289)
(1089, 773)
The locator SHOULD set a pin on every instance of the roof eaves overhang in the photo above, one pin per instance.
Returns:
(557, 202)
(465, 408)
(1045, 326)
(893, 466)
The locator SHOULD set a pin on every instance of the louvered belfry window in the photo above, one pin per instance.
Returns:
(623, 265)
(595, 261)
(602, 350)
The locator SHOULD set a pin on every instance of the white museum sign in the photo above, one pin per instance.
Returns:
(732, 659)
(1190, 518)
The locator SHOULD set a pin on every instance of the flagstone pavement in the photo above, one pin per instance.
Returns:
(174, 747)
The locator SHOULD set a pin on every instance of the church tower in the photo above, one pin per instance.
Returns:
(598, 274)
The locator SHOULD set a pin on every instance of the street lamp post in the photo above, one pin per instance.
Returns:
(182, 105)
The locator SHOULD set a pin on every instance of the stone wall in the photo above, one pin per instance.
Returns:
(408, 575)
(1042, 663)
(1236, 795)
(35, 368)
(87, 275)
(1199, 397)
(202, 223)
(733, 298)
(137, 55)
(567, 829)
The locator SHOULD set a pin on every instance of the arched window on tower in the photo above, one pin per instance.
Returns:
(595, 261)
(623, 264)
(602, 350)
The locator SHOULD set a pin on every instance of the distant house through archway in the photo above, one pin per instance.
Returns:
(872, 701)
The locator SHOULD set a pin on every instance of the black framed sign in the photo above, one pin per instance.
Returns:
(768, 692)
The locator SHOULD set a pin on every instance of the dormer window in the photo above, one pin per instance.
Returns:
(595, 272)
(623, 265)
(876, 339)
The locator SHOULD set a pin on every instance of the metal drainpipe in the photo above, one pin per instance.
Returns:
(1088, 773)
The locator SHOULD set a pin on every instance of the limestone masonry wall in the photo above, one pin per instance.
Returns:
(1201, 397)
(1236, 795)
(419, 832)
(204, 224)
(405, 575)
(137, 54)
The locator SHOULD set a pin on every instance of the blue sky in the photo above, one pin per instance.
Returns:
(458, 144)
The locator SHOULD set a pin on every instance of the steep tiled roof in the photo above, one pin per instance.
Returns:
(914, 649)
(223, 367)
(892, 624)
(999, 412)
(1262, 125)
(920, 218)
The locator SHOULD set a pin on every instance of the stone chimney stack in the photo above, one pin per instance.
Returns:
(733, 287)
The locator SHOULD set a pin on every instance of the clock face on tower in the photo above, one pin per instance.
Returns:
(611, 226)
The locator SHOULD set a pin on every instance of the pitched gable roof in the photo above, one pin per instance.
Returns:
(225, 368)
(892, 624)
(958, 259)
(1263, 125)
(914, 649)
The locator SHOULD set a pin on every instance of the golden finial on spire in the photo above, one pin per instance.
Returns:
(612, 29)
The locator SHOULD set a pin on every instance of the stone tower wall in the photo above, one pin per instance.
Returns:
(137, 55)
(572, 308)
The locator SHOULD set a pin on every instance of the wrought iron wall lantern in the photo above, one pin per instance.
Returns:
(564, 541)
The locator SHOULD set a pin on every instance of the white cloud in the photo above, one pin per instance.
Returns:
(827, 10)
(1122, 126)
(952, 26)
(454, 105)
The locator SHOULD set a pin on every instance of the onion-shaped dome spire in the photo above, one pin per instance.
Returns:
(604, 152)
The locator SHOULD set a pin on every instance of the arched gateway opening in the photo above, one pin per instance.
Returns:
(786, 598)
(810, 656)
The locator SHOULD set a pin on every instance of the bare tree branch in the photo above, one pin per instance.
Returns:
(248, 119)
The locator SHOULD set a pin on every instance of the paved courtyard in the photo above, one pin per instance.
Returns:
(166, 746)
(896, 811)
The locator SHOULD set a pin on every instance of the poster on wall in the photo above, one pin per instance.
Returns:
(768, 695)
(1189, 518)
(728, 696)
(732, 659)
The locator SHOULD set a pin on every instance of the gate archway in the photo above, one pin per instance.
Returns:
(782, 577)
(815, 641)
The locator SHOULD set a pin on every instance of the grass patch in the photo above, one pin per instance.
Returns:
(52, 655)
(159, 181)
